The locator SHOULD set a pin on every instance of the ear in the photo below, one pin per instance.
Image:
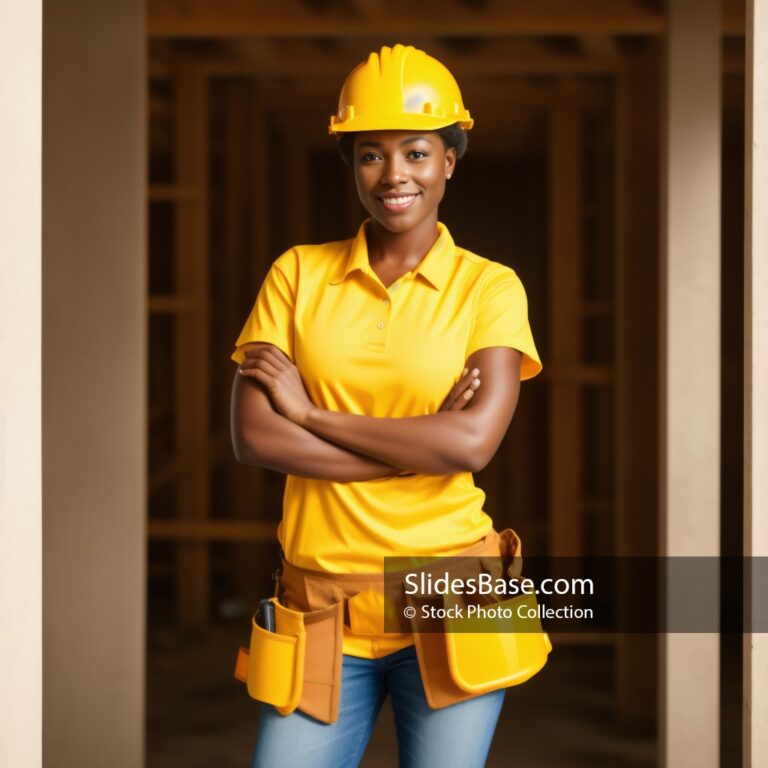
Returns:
(450, 161)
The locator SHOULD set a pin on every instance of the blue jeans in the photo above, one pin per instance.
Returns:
(456, 736)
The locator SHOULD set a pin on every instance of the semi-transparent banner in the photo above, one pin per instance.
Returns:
(576, 594)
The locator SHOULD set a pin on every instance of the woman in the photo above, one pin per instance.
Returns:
(359, 379)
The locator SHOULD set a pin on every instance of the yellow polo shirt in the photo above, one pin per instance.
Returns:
(386, 352)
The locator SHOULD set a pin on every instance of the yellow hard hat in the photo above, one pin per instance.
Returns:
(399, 88)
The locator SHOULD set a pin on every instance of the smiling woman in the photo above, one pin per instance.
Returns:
(400, 178)
(360, 370)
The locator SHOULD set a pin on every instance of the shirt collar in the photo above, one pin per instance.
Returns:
(435, 265)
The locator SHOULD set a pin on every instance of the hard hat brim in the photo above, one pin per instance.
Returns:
(402, 122)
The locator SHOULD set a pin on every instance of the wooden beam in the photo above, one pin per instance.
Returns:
(171, 304)
(240, 19)
(564, 370)
(493, 56)
(245, 18)
(94, 427)
(689, 448)
(576, 373)
(334, 70)
(171, 192)
(733, 17)
(243, 120)
(191, 353)
(637, 359)
(755, 737)
(202, 531)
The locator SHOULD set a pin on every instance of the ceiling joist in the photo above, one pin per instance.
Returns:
(290, 18)
(517, 57)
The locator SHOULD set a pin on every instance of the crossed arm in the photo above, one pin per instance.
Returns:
(275, 425)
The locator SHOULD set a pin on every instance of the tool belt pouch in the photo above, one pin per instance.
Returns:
(273, 666)
(322, 667)
(299, 665)
(467, 658)
(500, 645)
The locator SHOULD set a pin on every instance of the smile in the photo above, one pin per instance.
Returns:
(397, 203)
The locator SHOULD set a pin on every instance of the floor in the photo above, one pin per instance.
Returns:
(199, 716)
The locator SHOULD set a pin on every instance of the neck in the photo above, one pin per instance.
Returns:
(400, 247)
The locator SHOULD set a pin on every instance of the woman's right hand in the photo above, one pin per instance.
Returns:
(462, 391)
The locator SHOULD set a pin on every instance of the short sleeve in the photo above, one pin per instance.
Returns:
(501, 318)
(272, 317)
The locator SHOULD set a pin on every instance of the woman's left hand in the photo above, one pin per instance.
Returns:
(280, 377)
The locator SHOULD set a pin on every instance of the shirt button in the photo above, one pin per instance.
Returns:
(380, 324)
(385, 301)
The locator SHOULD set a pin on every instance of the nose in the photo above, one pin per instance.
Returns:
(394, 172)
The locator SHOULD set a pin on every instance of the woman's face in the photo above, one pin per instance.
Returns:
(400, 176)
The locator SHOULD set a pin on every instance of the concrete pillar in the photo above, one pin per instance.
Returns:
(21, 660)
(690, 365)
(94, 366)
(756, 378)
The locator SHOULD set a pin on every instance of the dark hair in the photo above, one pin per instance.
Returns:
(452, 135)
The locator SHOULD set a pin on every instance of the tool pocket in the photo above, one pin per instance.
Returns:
(323, 661)
(367, 612)
(298, 665)
(275, 672)
(498, 645)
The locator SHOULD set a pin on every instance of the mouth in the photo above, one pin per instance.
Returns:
(398, 202)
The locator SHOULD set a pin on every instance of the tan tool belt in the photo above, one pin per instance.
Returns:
(299, 665)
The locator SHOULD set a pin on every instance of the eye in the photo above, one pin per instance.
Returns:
(417, 154)
(369, 157)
